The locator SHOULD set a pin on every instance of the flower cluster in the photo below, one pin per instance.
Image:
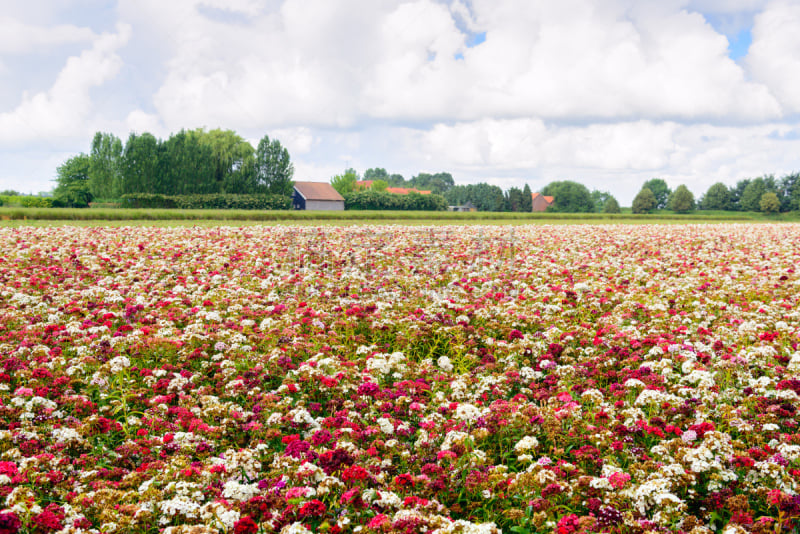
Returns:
(400, 379)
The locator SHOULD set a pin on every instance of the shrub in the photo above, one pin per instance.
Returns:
(210, 201)
(377, 200)
(769, 203)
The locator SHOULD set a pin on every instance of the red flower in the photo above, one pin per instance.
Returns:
(245, 525)
(9, 523)
(313, 508)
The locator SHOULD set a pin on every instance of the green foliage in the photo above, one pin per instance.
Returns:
(105, 178)
(483, 196)
(569, 197)
(681, 200)
(379, 185)
(376, 174)
(345, 183)
(644, 202)
(611, 205)
(600, 198)
(438, 183)
(660, 191)
(751, 196)
(209, 201)
(376, 200)
(769, 203)
(790, 184)
(273, 168)
(72, 189)
(514, 199)
(527, 199)
(718, 197)
(26, 201)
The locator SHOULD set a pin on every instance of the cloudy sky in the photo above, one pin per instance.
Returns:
(606, 92)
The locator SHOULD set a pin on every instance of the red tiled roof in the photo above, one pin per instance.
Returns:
(548, 198)
(317, 191)
(366, 184)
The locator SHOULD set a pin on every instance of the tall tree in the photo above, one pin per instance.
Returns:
(718, 197)
(681, 200)
(273, 168)
(105, 179)
(72, 182)
(527, 199)
(514, 199)
(644, 202)
(769, 203)
(140, 166)
(790, 184)
(660, 190)
(569, 197)
(736, 194)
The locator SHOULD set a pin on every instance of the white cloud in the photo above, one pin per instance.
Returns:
(774, 56)
(18, 37)
(64, 110)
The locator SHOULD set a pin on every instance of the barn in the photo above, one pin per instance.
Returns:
(316, 196)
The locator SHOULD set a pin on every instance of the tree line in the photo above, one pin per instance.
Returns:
(765, 194)
(190, 162)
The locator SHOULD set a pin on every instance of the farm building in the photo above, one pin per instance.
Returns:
(316, 196)
(469, 206)
(540, 202)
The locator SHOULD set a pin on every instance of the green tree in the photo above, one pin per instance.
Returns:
(438, 183)
(600, 198)
(345, 183)
(644, 202)
(660, 191)
(769, 203)
(790, 184)
(72, 182)
(681, 200)
(527, 199)
(751, 196)
(140, 164)
(514, 199)
(718, 197)
(569, 197)
(273, 168)
(379, 185)
(105, 178)
(611, 205)
(376, 173)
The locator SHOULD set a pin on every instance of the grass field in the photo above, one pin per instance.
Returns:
(13, 216)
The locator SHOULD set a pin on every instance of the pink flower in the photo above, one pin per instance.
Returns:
(23, 392)
(618, 480)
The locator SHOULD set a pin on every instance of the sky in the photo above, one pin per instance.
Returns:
(609, 93)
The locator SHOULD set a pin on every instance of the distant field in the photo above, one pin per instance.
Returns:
(14, 216)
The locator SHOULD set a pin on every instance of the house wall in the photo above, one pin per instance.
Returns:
(539, 204)
(325, 205)
(298, 202)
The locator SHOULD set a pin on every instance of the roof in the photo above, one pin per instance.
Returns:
(549, 200)
(317, 191)
(366, 184)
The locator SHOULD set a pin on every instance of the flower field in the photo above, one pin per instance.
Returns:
(380, 379)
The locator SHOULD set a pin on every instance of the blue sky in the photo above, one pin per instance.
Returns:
(606, 92)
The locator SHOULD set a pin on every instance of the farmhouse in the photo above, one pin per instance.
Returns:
(539, 202)
(316, 196)
(366, 184)
(469, 206)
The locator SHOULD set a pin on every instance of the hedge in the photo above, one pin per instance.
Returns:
(26, 201)
(379, 200)
(219, 201)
